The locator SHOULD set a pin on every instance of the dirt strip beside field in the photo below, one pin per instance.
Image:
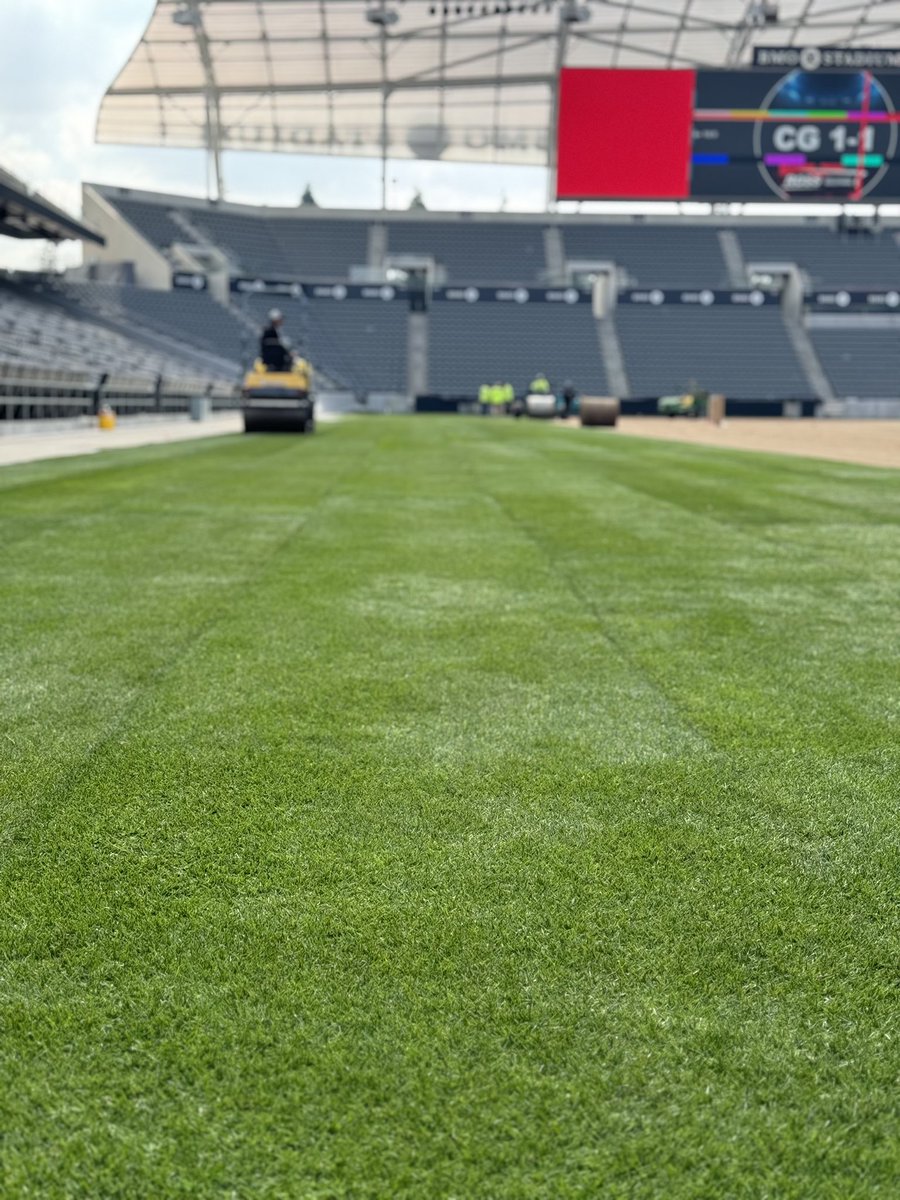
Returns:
(871, 443)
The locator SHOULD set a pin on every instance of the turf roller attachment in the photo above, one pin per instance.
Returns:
(277, 421)
(599, 410)
(538, 405)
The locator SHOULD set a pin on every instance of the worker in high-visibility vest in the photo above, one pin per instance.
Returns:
(484, 396)
(540, 385)
(498, 397)
(509, 395)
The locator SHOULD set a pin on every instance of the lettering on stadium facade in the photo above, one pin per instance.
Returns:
(826, 58)
(359, 139)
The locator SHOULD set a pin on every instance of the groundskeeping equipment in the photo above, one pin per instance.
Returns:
(541, 405)
(279, 401)
(599, 410)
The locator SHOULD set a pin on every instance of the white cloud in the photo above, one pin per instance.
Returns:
(54, 68)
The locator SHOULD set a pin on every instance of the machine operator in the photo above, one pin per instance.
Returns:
(272, 350)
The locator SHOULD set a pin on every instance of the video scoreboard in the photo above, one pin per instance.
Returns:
(823, 129)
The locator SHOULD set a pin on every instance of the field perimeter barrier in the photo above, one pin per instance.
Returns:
(27, 392)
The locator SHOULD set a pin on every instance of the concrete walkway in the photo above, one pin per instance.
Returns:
(28, 441)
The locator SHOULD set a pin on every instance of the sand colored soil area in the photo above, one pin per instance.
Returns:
(872, 443)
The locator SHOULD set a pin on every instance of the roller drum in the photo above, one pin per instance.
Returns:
(541, 406)
(599, 410)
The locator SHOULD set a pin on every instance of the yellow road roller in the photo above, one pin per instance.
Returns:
(279, 401)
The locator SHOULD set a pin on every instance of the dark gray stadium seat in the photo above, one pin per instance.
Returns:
(49, 328)
(191, 317)
(291, 247)
(830, 259)
(742, 352)
(361, 344)
(476, 343)
(862, 361)
(473, 251)
(658, 255)
(151, 220)
(323, 249)
(246, 240)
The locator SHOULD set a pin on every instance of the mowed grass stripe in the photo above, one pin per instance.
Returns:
(448, 808)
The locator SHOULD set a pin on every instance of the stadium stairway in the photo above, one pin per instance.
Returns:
(613, 356)
(730, 245)
(809, 360)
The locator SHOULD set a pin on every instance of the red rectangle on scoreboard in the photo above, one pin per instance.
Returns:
(624, 135)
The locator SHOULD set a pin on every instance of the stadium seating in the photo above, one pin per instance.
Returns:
(362, 344)
(359, 344)
(47, 324)
(828, 258)
(275, 246)
(473, 251)
(511, 250)
(652, 255)
(324, 249)
(473, 344)
(861, 361)
(744, 353)
(247, 241)
(39, 333)
(190, 317)
(152, 221)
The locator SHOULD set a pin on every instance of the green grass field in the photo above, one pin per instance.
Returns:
(449, 808)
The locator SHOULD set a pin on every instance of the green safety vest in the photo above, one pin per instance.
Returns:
(540, 386)
(484, 394)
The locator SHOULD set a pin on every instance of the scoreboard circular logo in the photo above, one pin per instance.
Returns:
(810, 58)
(825, 135)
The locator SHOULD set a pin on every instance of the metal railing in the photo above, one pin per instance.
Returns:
(29, 392)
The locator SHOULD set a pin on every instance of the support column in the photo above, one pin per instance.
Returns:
(561, 43)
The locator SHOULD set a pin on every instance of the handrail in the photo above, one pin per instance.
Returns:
(25, 389)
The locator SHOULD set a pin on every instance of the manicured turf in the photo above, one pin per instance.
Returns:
(449, 808)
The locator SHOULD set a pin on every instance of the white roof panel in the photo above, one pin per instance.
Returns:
(463, 80)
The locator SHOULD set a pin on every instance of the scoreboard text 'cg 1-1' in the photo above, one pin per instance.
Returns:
(825, 128)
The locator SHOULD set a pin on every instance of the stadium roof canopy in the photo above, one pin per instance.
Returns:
(25, 214)
(456, 80)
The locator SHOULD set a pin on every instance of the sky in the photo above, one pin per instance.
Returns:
(55, 66)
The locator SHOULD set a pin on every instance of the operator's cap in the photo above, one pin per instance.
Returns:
(275, 314)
